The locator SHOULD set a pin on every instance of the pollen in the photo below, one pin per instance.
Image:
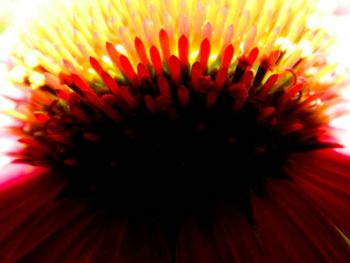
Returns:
(265, 25)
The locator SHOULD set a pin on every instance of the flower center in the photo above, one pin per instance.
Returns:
(172, 134)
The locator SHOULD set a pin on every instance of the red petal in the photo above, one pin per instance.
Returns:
(36, 227)
(325, 177)
(147, 239)
(235, 238)
(292, 228)
(107, 245)
(195, 245)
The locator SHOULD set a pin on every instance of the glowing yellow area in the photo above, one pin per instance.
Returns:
(76, 29)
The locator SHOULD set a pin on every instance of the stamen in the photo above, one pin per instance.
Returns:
(289, 94)
(156, 61)
(113, 54)
(227, 57)
(220, 79)
(163, 86)
(150, 104)
(96, 66)
(143, 72)
(196, 72)
(204, 54)
(184, 96)
(211, 99)
(268, 85)
(164, 44)
(128, 69)
(175, 69)
(141, 51)
(111, 83)
(183, 47)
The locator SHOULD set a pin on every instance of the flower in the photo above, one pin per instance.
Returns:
(176, 131)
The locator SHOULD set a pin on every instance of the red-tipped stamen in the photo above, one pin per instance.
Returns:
(268, 85)
(196, 72)
(220, 79)
(150, 104)
(141, 51)
(156, 61)
(184, 96)
(175, 69)
(113, 54)
(164, 44)
(128, 69)
(143, 72)
(227, 57)
(183, 47)
(290, 93)
(211, 99)
(204, 54)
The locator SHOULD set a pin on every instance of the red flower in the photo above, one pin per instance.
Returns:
(183, 146)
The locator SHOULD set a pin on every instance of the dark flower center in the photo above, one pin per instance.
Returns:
(153, 161)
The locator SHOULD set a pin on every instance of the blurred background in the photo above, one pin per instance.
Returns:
(6, 13)
(9, 9)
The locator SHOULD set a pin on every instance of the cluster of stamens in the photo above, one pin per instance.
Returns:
(171, 122)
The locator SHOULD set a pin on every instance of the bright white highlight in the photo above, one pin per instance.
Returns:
(6, 143)
(341, 56)
(20, 12)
